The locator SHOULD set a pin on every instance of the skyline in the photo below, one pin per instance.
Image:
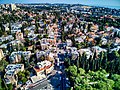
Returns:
(86, 2)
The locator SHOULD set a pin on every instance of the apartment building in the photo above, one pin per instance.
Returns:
(44, 67)
(11, 73)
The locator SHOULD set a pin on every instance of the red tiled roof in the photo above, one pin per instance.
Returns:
(40, 69)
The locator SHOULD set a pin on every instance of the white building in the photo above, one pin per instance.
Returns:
(12, 7)
(9, 37)
(15, 42)
(115, 49)
(26, 55)
(31, 28)
(16, 56)
(104, 41)
(6, 27)
(39, 54)
(44, 67)
(3, 46)
(69, 42)
(11, 73)
(1, 54)
(79, 39)
(87, 51)
(16, 27)
(98, 49)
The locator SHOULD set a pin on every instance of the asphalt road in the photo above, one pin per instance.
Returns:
(63, 78)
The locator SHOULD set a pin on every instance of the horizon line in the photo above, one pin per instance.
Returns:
(94, 5)
(58, 3)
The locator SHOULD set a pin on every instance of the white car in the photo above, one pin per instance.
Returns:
(58, 64)
(59, 72)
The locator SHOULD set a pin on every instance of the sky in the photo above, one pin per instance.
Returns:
(86, 2)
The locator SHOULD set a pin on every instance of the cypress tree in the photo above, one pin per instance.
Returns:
(90, 62)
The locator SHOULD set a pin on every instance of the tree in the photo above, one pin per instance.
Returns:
(101, 58)
(20, 75)
(1, 32)
(92, 80)
(113, 62)
(84, 26)
(10, 48)
(73, 41)
(67, 62)
(104, 61)
(98, 40)
(89, 27)
(26, 32)
(44, 16)
(101, 28)
(27, 42)
(117, 85)
(23, 76)
(72, 73)
(54, 20)
(79, 59)
(116, 78)
(78, 45)
(45, 36)
(36, 27)
(101, 85)
(78, 63)
(27, 73)
(73, 70)
(10, 86)
(63, 32)
(0, 83)
(39, 37)
(42, 58)
(23, 48)
(110, 84)
(24, 80)
(22, 29)
(3, 64)
(81, 71)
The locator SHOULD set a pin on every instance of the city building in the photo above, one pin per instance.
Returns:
(12, 7)
(16, 27)
(87, 51)
(43, 67)
(19, 36)
(19, 55)
(1, 54)
(11, 73)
